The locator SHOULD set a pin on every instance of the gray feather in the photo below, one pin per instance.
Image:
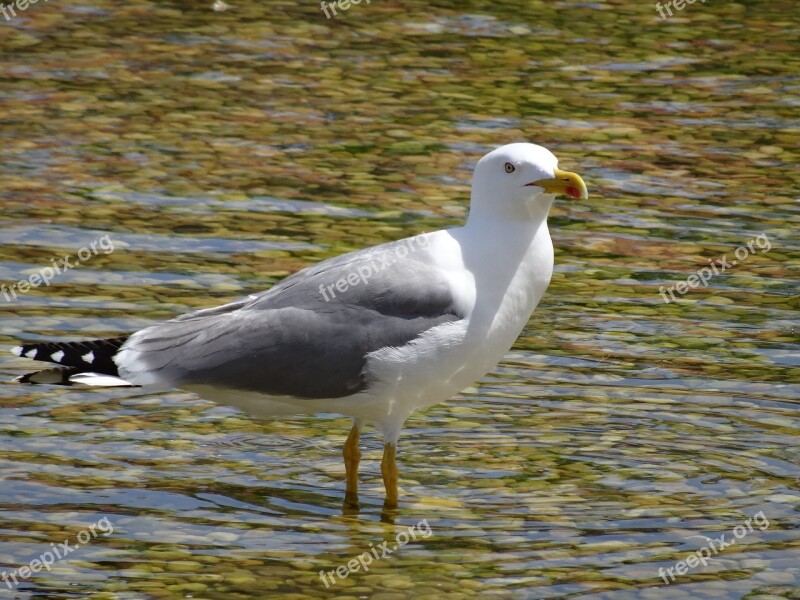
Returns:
(290, 341)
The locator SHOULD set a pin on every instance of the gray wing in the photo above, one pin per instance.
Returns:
(294, 340)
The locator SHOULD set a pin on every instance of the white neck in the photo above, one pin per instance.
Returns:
(510, 263)
(511, 259)
(503, 234)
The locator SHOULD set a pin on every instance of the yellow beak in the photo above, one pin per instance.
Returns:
(564, 182)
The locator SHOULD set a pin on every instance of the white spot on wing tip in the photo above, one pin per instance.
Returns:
(32, 353)
(57, 356)
(17, 350)
(88, 357)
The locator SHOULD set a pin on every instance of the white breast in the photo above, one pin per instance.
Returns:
(498, 300)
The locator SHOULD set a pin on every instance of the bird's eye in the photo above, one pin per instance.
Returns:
(510, 168)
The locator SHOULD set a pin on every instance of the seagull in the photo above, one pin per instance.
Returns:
(375, 334)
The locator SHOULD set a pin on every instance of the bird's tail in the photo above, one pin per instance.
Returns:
(90, 363)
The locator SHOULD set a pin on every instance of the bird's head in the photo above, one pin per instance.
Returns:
(521, 178)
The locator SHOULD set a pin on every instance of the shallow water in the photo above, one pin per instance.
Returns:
(222, 150)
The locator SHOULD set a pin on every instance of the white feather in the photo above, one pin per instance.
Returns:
(98, 380)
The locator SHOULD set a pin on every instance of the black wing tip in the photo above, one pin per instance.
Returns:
(92, 355)
(55, 376)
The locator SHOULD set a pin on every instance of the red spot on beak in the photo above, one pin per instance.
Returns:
(573, 192)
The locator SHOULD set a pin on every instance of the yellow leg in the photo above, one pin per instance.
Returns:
(352, 456)
(389, 472)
